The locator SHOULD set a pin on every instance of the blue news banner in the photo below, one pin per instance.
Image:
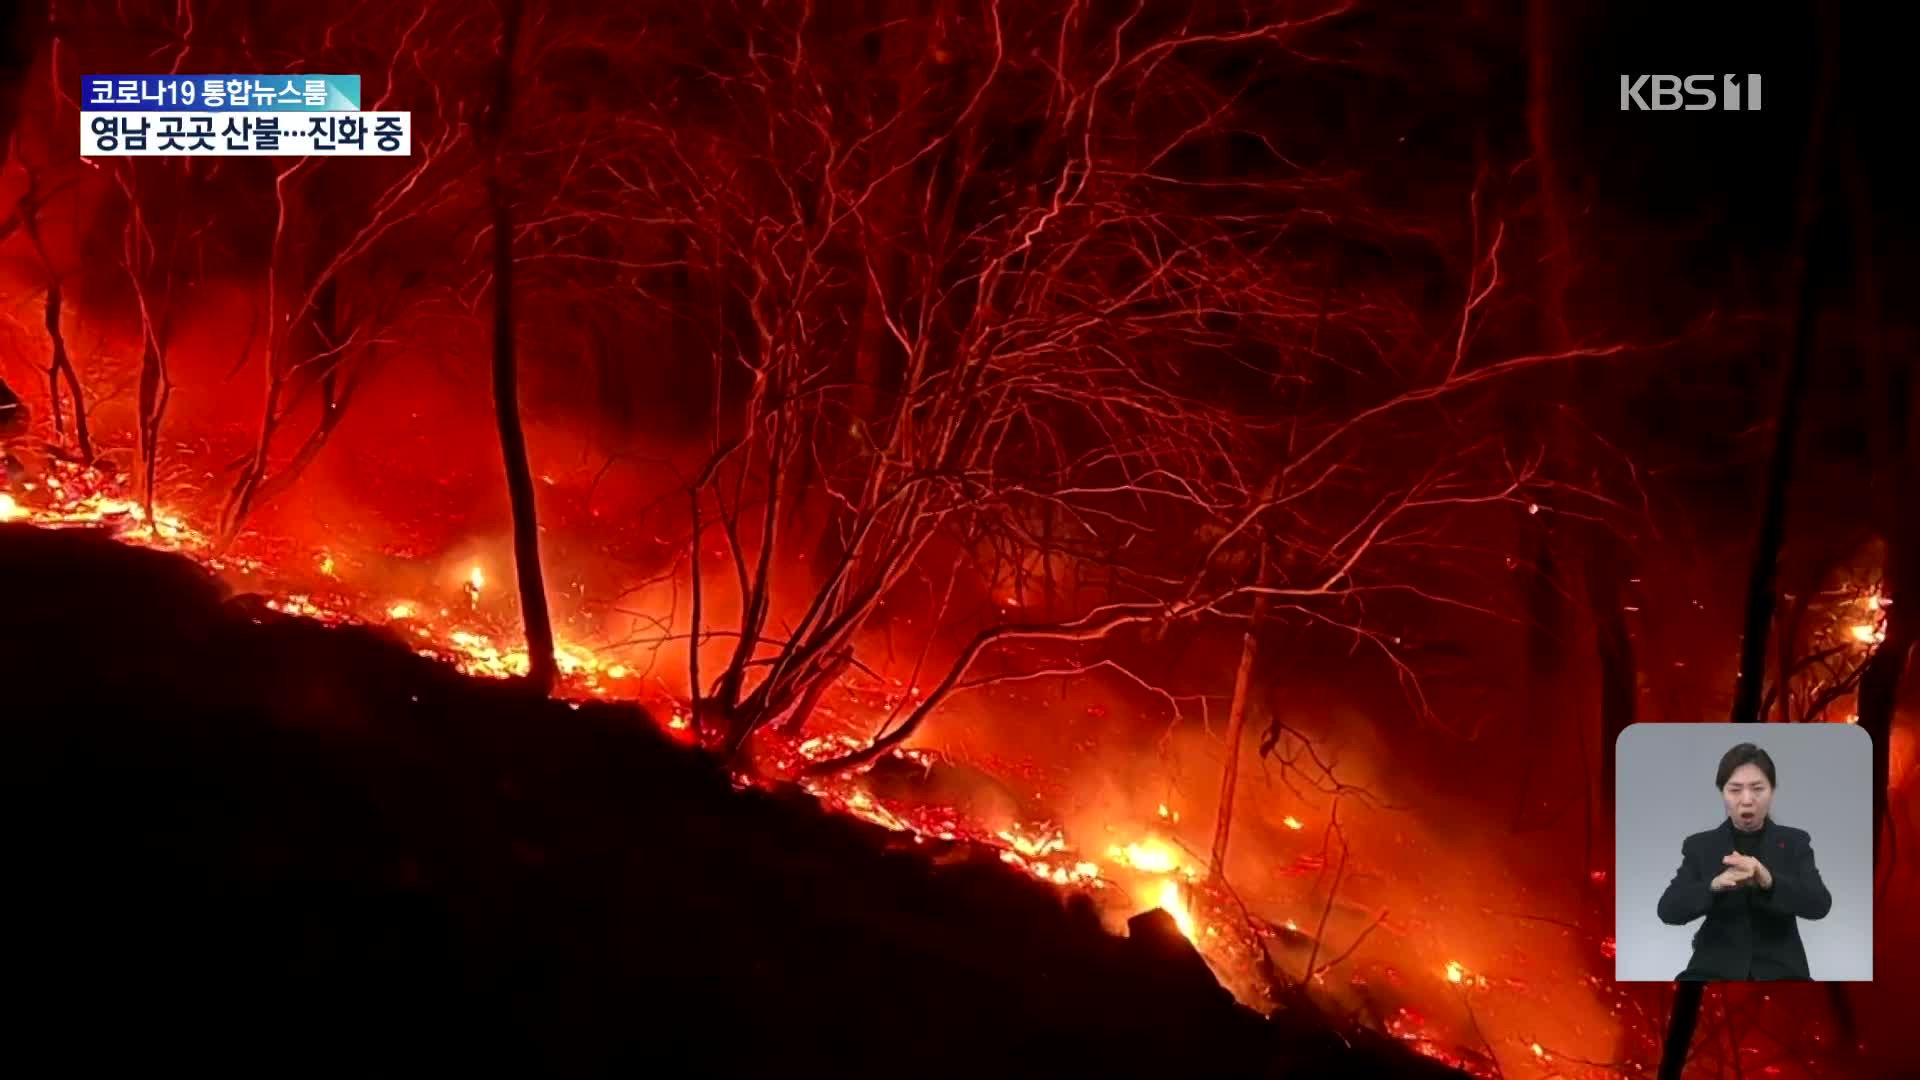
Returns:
(235, 116)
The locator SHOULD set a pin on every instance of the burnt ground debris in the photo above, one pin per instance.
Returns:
(255, 843)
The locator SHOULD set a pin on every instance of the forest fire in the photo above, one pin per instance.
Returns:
(1125, 876)
(1233, 460)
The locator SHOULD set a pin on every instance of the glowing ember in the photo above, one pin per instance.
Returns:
(1292, 822)
(1409, 1026)
(327, 565)
(401, 610)
(303, 606)
(10, 510)
(1868, 634)
(1078, 874)
(1035, 847)
(822, 747)
(1539, 1051)
(1455, 973)
(861, 805)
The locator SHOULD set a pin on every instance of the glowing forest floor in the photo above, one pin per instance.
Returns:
(275, 843)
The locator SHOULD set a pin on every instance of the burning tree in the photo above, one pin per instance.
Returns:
(47, 176)
(984, 314)
(1825, 638)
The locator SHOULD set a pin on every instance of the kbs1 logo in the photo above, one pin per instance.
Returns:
(1694, 93)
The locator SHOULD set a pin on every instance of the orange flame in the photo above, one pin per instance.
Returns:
(1149, 855)
(1170, 901)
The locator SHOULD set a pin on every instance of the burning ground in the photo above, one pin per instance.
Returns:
(1119, 862)
(1473, 958)
(253, 838)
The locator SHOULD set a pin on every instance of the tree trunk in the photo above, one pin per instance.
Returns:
(1880, 682)
(1530, 419)
(542, 668)
(1237, 718)
(1603, 559)
(1878, 695)
(1893, 431)
(60, 366)
(1761, 599)
(155, 391)
(830, 670)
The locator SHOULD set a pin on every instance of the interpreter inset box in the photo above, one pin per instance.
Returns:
(1743, 853)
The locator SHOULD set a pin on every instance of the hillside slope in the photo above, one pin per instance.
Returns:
(271, 846)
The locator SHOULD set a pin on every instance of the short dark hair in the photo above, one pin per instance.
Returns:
(1744, 754)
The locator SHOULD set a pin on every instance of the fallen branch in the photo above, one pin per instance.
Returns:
(1350, 949)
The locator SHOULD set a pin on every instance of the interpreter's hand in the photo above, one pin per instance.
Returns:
(1727, 881)
(1750, 869)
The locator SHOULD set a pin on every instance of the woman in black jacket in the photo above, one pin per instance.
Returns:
(1752, 878)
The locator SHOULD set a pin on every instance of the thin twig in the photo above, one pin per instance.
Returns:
(1333, 889)
(1335, 962)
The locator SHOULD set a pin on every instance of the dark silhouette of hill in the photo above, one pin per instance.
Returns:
(242, 842)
